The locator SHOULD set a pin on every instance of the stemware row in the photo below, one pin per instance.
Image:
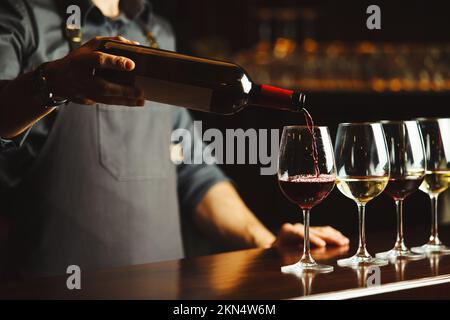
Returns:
(397, 157)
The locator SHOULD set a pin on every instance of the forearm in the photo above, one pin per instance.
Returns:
(224, 216)
(19, 109)
(71, 77)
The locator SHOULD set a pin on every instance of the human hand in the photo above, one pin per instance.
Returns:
(319, 236)
(72, 77)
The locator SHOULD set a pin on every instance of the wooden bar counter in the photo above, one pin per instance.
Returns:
(255, 274)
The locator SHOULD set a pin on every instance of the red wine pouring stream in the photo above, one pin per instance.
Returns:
(310, 125)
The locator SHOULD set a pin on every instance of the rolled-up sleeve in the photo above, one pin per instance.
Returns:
(194, 180)
(17, 42)
(17, 37)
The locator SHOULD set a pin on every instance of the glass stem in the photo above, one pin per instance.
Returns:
(362, 251)
(306, 258)
(434, 238)
(400, 243)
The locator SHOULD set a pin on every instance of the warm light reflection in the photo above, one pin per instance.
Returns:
(365, 47)
(225, 275)
(395, 85)
(283, 47)
(310, 46)
(306, 278)
(400, 265)
(290, 256)
(434, 259)
(362, 273)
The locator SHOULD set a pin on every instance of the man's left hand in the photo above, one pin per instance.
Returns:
(319, 236)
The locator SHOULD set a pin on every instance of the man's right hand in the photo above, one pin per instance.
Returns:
(72, 77)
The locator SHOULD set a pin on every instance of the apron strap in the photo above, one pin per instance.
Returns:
(151, 39)
(71, 32)
(74, 34)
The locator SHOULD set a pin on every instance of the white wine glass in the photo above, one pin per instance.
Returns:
(306, 175)
(436, 137)
(408, 163)
(363, 168)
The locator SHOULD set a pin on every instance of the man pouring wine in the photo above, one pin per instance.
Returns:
(85, 171)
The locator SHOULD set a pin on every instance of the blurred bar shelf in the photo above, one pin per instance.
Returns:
(350, 67)
(255, 274)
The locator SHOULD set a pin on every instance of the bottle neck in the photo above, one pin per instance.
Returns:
(268, 96)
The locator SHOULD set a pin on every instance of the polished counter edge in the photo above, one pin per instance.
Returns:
(378, 289)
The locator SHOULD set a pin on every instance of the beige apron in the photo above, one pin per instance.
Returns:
(102, 192)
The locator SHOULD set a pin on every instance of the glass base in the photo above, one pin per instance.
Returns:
(400, 254)
(300, 267)
(432, 248)
(357, 261)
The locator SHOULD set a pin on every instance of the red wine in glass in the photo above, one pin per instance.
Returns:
(307, 190)
(399, 187)
(408, 168)
(300, 180)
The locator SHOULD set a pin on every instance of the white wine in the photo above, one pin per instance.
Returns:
(362, 189)
(435, 182)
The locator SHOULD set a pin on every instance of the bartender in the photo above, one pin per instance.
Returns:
(85, 170)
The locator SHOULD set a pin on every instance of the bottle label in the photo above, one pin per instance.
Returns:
(176, 94)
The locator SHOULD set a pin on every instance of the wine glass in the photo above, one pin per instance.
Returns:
(306, 175)
(408, 163)
(362, 164)
(436, 136)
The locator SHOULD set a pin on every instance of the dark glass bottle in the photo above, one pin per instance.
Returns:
(195, 83)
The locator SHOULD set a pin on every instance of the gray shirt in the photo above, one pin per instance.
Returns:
(87, 171)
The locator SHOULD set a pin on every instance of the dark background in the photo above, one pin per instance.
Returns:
(233, 24)
(235, 21)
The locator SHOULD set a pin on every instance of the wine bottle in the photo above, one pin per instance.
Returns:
(195, 83)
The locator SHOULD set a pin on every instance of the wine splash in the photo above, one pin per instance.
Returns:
(310, 125)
